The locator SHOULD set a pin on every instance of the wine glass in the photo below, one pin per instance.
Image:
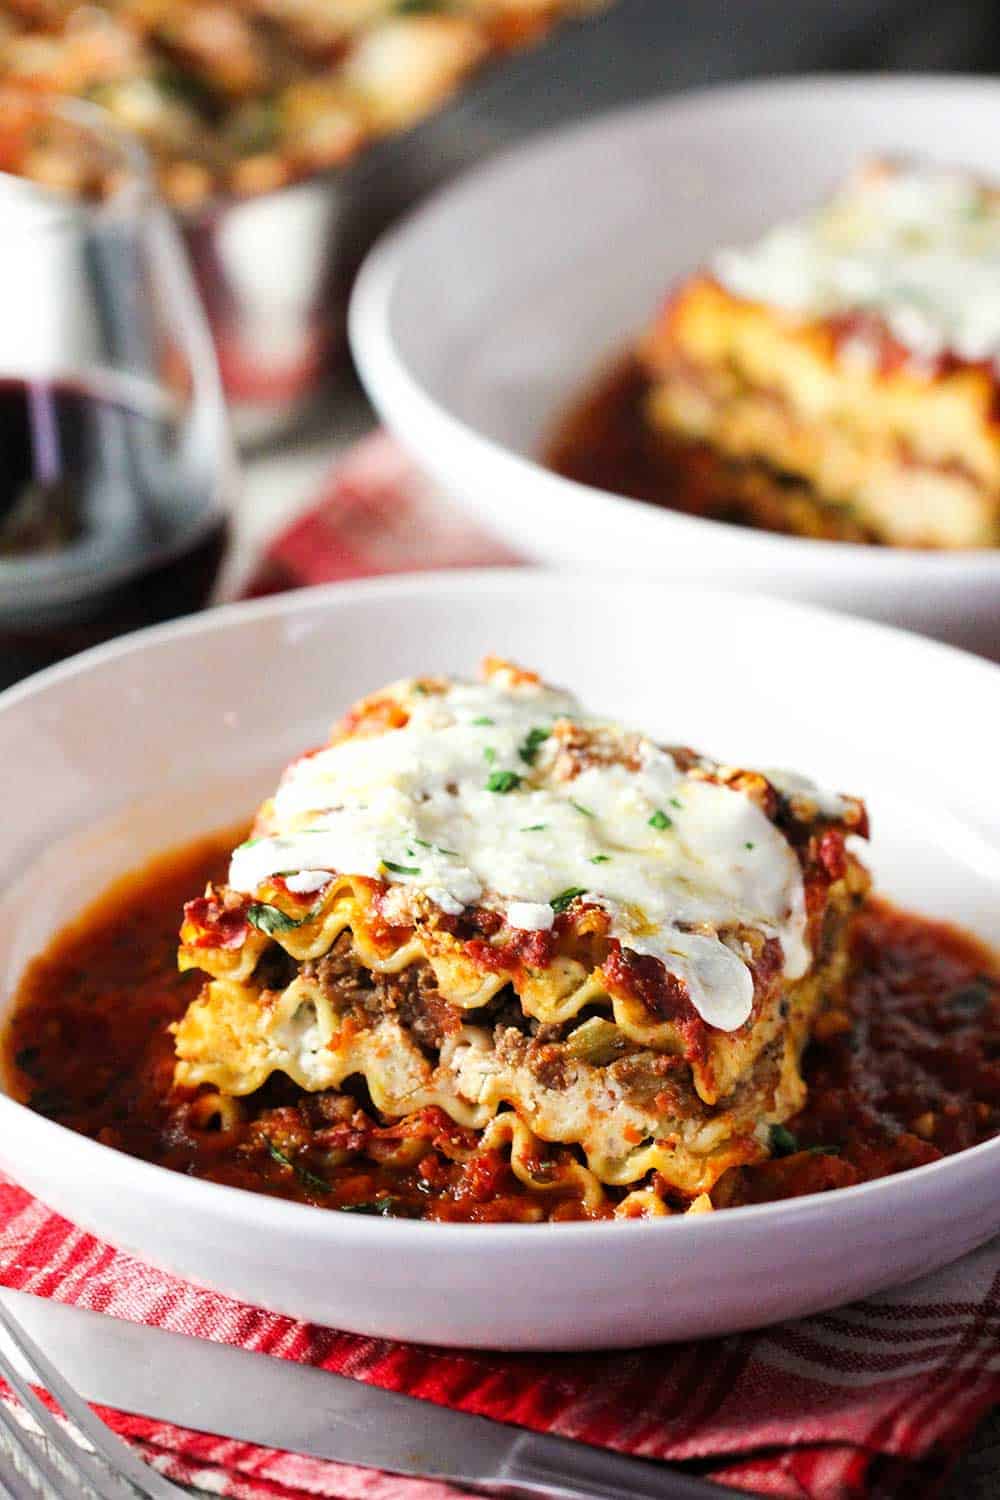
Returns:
(116, 463)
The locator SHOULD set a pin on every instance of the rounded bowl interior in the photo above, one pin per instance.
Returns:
(135, 747)
(478, 321)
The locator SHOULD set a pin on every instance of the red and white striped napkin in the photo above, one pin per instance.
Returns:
(874, 1400)
(378, 515)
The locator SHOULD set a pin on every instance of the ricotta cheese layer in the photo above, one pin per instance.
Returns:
(919, 248)
(506, 795)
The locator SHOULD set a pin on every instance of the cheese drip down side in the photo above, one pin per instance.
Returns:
(920, 249)
(472, 803)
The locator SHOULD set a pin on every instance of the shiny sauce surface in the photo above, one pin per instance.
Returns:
(906, 1070)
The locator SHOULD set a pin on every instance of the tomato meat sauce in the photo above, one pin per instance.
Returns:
(904, 1071)
(605, 440)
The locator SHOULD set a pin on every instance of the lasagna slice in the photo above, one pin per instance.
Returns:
(479, 903)
(842, 371)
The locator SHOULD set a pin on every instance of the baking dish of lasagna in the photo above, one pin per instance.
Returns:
(243, 98)
(285, 134)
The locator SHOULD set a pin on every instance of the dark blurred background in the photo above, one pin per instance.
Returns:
(644, 48)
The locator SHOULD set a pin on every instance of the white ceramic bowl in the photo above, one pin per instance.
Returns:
(136, 746)
(475, 323)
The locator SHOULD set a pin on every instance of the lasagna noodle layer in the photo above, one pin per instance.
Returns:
(632, 1102)
(913, 453)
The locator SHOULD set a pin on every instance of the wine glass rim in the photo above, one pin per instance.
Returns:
(134, 193)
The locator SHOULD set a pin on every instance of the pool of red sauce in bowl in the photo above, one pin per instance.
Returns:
(907, 1070)
(604, 440)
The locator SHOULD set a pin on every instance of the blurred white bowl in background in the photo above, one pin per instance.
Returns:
(477, 322)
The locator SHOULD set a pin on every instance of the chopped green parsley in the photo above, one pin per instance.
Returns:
(439, 847)
(599, 859)
(587, 813)
(783, 1142)
(389, 864)
(560, 902)
(302, 1173)
(534, 827)
(271, 920)
(532, 743)
(661, 820)
(503, 781)
(484, 719)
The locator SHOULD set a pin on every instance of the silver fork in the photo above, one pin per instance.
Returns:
(50, 1463)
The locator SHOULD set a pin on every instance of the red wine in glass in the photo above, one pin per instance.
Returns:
(116, 464)
(107, 530)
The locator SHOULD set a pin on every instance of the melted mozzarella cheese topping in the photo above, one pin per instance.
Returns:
(919, 249)
(474, 801)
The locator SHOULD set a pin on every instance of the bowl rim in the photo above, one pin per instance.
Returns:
(401, 396)
(318, 1223)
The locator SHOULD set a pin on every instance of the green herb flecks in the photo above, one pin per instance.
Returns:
(782, 1141)
(586, 811)
(272, 920)
(307, 1178)
(439, 847)
(532, 743)
(660, 819)
(749, 844)
(390, 864)
(503, 782)
(489, 754)
(675, 802)
(381, 1206)
(564, 898)
(484, 720)
(600, 859)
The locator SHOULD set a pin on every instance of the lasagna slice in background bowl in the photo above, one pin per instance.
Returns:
(841, 370)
